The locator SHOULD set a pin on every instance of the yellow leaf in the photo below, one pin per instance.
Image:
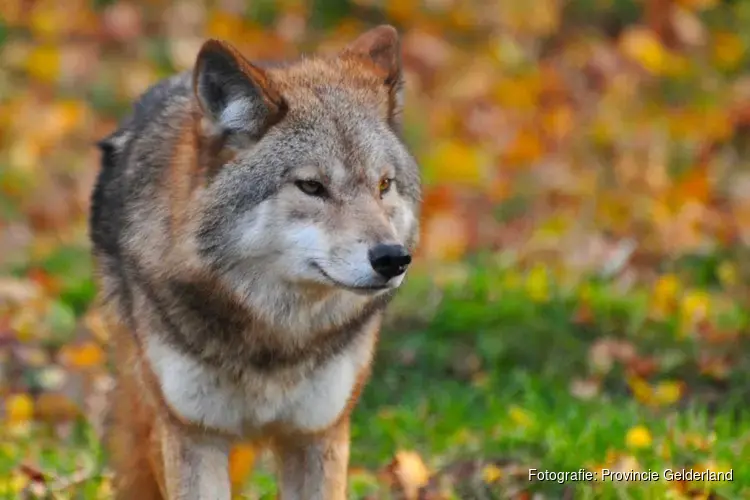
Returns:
(643, 46)
(25, 154)
(728, 49)
(456, 162)
(554, 227)
(697, 4)
(491, 473)
(537, 283)
(84, 355)
(11, 487)
(45, 20)
(520, 416)
(664, 296)
(694, 308)
(667, 392)
(241, 462)
(641, 390)
(402, 10)
(105, 490)
(410, 473)
(19, 408)
(518, 93)
(43, 63)
(638, 437)
(727, 272)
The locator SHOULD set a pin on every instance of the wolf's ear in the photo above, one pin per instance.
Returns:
(235, 95)
(381, 47)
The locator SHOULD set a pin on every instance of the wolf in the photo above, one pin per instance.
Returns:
(250, 223)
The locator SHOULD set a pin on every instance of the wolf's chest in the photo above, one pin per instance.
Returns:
(307, 403)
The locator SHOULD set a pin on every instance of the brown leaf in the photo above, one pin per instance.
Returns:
(57, 408)
(34, 474)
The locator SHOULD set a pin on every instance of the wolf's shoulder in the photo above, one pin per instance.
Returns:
(148, 121)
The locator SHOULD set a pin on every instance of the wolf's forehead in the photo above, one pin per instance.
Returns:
(340, 134)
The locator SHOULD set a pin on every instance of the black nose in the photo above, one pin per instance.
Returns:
(389, 260)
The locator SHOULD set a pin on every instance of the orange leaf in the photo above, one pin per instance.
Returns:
(445, 237)
(85, 355)
(241, 462)
(224, 25)
(525, 148)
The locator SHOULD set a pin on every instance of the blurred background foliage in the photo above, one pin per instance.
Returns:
(590, 152)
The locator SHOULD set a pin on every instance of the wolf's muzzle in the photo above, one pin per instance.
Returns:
(389, 261)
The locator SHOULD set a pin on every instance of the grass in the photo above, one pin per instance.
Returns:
(484, 379)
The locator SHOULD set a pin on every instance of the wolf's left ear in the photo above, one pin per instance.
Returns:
(235, 95)
(381, 47)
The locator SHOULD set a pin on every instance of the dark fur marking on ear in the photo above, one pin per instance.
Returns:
(234, 94)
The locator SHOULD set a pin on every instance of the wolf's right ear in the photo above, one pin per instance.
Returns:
(235, 95)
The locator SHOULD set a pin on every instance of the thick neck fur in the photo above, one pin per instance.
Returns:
(230, 325)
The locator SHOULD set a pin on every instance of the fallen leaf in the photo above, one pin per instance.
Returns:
(55, 407)
(643, 46)
(537, 283)
(84, 355)
(585, 388)
(241, 463)
(19, 408)
(43, 63)
(638, 437)
(491, 473)
(520, 416)
(728, 49)
(445, 237)
(408, 473)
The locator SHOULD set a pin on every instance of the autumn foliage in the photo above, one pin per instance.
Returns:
(577, 142)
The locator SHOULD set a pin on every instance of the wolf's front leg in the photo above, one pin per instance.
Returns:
(196, 466)
(314, 467)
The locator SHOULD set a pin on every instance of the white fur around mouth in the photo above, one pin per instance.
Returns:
(356, 289)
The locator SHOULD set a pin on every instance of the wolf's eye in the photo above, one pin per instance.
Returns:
(312, 188)
(385, 185)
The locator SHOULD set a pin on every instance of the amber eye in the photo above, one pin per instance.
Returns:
(385, 185)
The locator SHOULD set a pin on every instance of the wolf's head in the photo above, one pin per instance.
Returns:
(310, 185)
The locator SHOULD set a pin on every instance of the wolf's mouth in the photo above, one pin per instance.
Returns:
(352, 288)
